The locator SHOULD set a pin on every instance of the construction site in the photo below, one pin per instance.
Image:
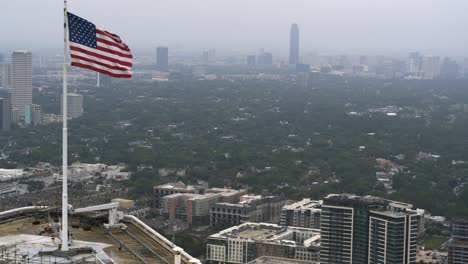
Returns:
(97, 234)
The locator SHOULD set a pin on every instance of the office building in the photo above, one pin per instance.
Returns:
(431, 67)
(265, 59)
(458, 247)
(294, 45)
(74, 105)
(5, 114)
(209, 56)
(251, 208)
(465, 67)
(6, 79)
(1, 57)
(162, 59)
(363, 60)
(33, 115)
(171, 188)
(449, 69)
(305, 213)
(104, 80)
(367, 229)
(251, 61)
(21, 81)
(189, 207)
(249, 242)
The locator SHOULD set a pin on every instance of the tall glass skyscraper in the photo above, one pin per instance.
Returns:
(21, 81)
(294, 45)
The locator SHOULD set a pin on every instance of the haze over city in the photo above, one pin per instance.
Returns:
(435, 27)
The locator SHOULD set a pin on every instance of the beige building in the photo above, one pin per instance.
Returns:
(21, 81)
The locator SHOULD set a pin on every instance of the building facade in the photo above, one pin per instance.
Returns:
(74, 105)
(21, 81)
(5, 114)
(458, 247)
(294, 45)
(6, 74)
(305, 213)
(366, 229)
(162, 58)
(249, 241)
(251, 208)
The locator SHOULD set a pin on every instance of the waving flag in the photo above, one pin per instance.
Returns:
(98, 50)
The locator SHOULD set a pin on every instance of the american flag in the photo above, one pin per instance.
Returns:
(98, 50)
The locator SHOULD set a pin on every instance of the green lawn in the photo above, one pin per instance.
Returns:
(434, 242)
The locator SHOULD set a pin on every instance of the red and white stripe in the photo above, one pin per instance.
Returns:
(111, 57)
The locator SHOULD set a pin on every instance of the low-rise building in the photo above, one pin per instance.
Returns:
(250, 241)
(305, 213)
(189, 207)
(172, 188)
(250, 209)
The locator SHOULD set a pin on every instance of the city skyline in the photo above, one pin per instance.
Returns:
(363, 26)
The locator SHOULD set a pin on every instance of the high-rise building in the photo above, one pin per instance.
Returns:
(1, 57)
(458, 247)
(162, 58)
(367, 229)
(74, 105)
(431, 67)
(251, 60)
(449, 69)
(209, 56)
(305, 213)
(265, 59)
(5, 114)
(294, 45)
(6, 77)
(105, 81)
(465, 67)
(21, 81)
(33, 115)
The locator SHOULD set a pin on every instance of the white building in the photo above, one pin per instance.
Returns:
(21, 81)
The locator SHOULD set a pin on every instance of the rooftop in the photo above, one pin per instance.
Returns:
(305, 204)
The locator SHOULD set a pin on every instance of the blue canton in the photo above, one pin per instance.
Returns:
(81, 31)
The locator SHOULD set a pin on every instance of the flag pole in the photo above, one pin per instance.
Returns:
(65, 135)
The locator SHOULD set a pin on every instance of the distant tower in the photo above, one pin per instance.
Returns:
(294, 45)
(5, 109)
(21, 81)
(162, 58)
(75, 105)
(6, 75)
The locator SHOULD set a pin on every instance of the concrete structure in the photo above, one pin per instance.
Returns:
(162, 58)
(192, 208)
(294, 45)
(458, 247)
(21, 81)
(6, 74)
(171, 188)
(250, 241)
(5, 114)
(75, 105)
(33, 115)
(249, 209)
(265, 59)
(305, 213)
(367, 229)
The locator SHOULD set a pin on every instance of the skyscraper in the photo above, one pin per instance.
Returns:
(162, 58)
(265, 59)
(5, 114)
(294, 45)
(6, 77)
(21, 81)
(367, 229)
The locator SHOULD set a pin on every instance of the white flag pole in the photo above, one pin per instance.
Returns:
(65, 135)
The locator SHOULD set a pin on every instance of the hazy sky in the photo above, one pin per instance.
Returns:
(355, 26)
